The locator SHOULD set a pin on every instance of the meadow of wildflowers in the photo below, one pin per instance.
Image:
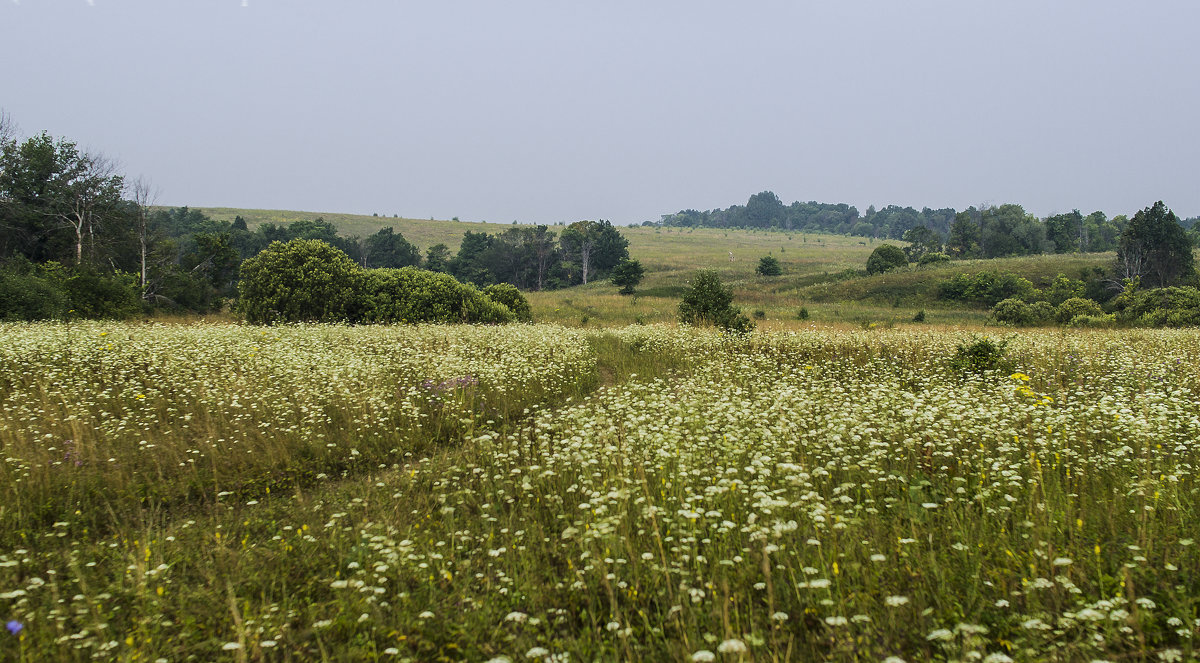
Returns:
(535, 493)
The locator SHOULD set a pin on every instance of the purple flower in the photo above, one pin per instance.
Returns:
(14, 626)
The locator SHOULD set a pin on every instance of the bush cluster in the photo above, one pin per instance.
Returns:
(51, 291)
(986, 287)
(311, 281)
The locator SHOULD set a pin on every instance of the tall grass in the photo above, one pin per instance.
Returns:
(643, 493)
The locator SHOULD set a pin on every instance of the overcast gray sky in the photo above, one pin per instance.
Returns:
(622, 110)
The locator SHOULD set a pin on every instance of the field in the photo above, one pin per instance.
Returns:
(814, 273)
(551, 493)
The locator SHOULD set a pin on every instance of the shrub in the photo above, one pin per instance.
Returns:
(510, 296)
(759, 314)
(886, 257)
(1161, 307)
(1042, 312)
(802, 314)
(1094, 321)
(933, 259)
(920, 316)
(304, 280)
(1012, 311)
(979, 356)
(768, 266)
(708, 301)
(26, 296)
(94, 294)
(986, 287)
(1076, 306)
(627, 275)
(411, 295)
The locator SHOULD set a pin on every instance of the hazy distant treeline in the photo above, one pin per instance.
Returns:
(987, 232)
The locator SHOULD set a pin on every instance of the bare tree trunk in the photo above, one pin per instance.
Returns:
(585, 251)
(143, 196)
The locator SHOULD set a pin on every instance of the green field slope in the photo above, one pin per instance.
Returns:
(817, 272)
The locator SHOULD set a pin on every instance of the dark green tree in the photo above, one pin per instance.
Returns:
(964, 236)
(388, 248)
(1155, 248)
(886, 257)
(437, 258)
(709, 302)
(921, 241)
(627, 275)
(768, 266)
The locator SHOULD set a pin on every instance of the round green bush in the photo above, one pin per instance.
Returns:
(304, 280)
(1012, 311)
(886, 257)
(510, 296)
(1077, 306)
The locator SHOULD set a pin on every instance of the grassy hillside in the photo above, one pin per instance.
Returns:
(422, 232)
(815, 273)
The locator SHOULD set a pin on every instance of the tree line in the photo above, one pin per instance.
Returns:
(976, 232)
(79, 238)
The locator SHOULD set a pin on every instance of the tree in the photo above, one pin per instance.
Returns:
(388, 248)
(469, 265)
(964, 236)
(708, 302)
(1065, 231)
(886, 257)
(304, 280)
(143, 197)
(437, 258)
(1155, 248)
(627, 275)
(921, 241)
(768, 266)
(597, 245)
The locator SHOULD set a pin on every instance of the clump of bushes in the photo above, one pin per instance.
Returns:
(986, 287)
(311, 281)
(1177, 306)
(709, 302)
(51, 291)
(933, 259)
(1016, 312)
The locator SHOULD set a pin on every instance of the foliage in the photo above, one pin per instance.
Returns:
(627, 275)
(1177, 306)
(508, 295)
(24, 295)
(709, 302)
(921, 242)
(886, 257)
(1075, 307)
(388, 248)
(303, 280)
(411, 295)
(768, 266)
(985, 287)
(934, 259)
(1155, 248)
(980, 355)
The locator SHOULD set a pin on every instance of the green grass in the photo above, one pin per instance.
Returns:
(642, 493)
(817, 273)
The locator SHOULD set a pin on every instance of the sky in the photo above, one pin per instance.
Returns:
(564, 110)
